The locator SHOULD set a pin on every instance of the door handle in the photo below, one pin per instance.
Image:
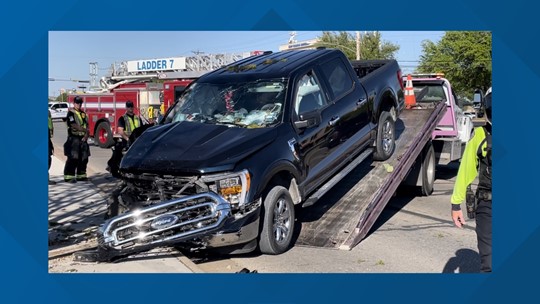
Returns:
(334, 120)
(360, 102)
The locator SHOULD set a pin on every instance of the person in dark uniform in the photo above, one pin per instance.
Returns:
(476, 161)
(51, 147)
(76, 147)
(127, 123)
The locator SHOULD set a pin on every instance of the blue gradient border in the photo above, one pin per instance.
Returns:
(24, 216)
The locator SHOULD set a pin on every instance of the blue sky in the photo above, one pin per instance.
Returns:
(70, 52)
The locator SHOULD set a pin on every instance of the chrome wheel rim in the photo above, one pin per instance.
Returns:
(282, 221)
(387, 136)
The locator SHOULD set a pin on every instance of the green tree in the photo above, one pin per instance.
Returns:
(371, 45)
(62, 97)
(463, 56)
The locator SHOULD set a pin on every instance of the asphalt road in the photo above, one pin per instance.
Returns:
(412, 235)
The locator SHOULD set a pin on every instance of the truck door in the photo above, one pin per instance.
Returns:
(309, 103)
(349, 105)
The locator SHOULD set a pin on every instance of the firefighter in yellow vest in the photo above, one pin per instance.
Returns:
(127, 123)
(76, 147)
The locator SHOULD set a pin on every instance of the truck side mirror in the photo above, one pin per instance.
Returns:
(308, 120)
(478, 98)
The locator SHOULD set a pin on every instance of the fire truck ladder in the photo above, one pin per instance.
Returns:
(195, 66)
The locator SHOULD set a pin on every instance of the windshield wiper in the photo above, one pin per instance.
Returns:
(230, 123)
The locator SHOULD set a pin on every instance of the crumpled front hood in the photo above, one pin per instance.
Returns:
(189, 147)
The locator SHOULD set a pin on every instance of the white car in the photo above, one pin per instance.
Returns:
(58, 109)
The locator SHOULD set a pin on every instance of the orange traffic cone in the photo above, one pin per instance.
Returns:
(410, 99)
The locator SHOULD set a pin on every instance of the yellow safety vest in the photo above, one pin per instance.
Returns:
(131, 124)
(51, 126)
(79, 119)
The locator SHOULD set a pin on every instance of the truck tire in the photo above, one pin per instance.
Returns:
(386, 137)
(103, 135)
(114, 207)
(278, 222)
(428, 169)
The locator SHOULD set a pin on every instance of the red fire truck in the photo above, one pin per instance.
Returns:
(151, 100)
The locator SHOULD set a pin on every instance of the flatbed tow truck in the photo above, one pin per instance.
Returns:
(342, 224)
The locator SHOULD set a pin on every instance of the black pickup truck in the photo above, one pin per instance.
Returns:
(245, 144)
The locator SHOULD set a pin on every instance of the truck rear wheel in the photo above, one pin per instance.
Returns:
(386, 137)
(428, 169)
(278, 222)
(103, 135)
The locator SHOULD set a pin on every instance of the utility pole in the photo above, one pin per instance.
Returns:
(357, 45)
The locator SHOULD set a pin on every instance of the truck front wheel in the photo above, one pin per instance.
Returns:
(114, 205)
(278, 222)
(386, 137)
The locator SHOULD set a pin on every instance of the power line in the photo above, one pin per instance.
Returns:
(73, 80)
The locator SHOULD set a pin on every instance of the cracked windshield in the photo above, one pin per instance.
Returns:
(256, 104)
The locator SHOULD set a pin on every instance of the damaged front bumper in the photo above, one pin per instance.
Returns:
(203, 220)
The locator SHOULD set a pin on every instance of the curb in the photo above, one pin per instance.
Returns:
(189, 264)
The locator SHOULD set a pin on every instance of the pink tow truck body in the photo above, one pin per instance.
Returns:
(455, 128)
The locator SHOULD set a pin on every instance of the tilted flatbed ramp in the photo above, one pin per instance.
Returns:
(343, 217)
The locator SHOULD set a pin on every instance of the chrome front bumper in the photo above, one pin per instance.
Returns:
(168, 222)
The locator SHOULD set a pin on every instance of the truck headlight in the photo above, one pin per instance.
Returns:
(231, 186)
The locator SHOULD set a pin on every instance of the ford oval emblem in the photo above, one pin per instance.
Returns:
(164, 221)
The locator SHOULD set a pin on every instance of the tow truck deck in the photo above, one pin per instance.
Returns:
(344, 217)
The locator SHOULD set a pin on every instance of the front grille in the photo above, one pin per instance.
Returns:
(171, 221)
(153, 187)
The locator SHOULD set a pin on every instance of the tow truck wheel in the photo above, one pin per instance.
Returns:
(428, 169)
(103, 136)
(278, 222)
(386, 138)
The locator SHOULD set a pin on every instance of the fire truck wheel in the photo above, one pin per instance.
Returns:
(103, 135)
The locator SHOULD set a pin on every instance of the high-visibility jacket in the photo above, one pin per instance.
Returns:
(81, 120)
(131, 123)
(476, 160)
(51, 126)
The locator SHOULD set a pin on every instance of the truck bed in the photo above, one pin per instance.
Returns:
(344, 216)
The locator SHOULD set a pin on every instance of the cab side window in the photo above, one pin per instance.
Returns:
(308, 95)
(339, 80)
